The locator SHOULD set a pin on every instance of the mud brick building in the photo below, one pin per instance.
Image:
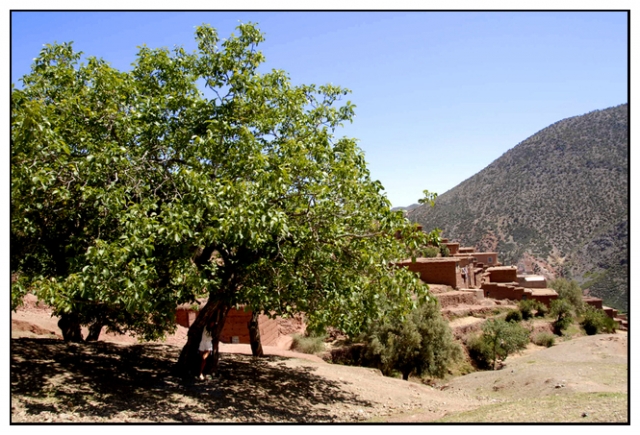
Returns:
(236, 328)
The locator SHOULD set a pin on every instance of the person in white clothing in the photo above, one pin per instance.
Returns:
(206, 347)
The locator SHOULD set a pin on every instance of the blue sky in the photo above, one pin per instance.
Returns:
(438, 95)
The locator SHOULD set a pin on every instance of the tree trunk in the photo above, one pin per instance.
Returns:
(213, 314)
(405, 375)
(254, 335)
(94, 330)
(69, 324)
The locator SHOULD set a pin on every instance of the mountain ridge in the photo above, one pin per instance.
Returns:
(556, 204)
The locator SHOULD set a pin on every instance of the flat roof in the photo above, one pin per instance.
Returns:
(534, 278)
(501, 268)
(430, 260)
(543, 291)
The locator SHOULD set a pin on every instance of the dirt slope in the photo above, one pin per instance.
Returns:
(117, 380)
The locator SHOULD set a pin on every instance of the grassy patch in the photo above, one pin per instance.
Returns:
(582, 407)
(311, 345)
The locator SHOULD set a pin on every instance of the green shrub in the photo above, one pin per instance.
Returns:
(570, 291)
(514, 316)
(542, 309)
(423, 344)
(544, 339)
(430, 251)
(527, 307)
(444, 251)
(308, 344)
(498, 340)
(479, 351)
(596, 321)
(562, 310)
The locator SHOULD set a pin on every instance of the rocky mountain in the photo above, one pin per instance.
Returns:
(556, 204)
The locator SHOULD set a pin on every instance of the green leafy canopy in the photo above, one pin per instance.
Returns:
(133, 192)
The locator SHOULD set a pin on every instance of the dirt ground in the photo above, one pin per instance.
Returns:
(119, 380)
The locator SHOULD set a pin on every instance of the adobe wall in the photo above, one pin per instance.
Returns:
(466, 249)
(453, 247)
(594, 302)
(434, 270)
(503, 274)
(545, 298)
(503, 291)
(611, 312)
(488, 258)
(464, 260)
(185, 317)
(237, 325)
(236, 328)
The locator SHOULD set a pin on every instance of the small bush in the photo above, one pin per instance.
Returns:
(562, 310)
(311, 344)
(444, 251)
(542, 310)
(430, 251)
(527, 307)
(570, 291)
(544, 339)
(498, 340)
(596, 321)
(514, 316)
(479, 351)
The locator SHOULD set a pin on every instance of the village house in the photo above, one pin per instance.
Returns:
(478, 274)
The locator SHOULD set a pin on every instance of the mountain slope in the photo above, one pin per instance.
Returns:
(557, 202)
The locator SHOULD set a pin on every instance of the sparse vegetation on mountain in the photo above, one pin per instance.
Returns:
(557, 204)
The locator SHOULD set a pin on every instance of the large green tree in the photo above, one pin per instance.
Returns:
(196, 175)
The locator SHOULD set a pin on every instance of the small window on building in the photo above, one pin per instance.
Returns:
(489, 259)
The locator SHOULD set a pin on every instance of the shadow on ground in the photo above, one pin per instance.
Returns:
(105, 381)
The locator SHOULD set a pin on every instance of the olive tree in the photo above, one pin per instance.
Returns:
(422, 343)
(196, 175)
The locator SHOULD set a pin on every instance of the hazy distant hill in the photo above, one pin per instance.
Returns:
(408, 208)
(557, 202)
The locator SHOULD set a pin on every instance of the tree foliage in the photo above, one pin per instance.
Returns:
(564, 313)
(422, 344)
(595, 321)
(498, 340)
(570, 291)
(132, 192)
